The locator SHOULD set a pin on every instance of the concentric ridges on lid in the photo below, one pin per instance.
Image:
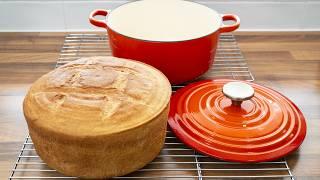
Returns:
(263, 125)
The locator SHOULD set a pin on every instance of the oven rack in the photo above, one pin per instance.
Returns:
(175, 161)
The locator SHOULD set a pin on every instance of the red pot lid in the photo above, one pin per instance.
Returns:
(236, 120)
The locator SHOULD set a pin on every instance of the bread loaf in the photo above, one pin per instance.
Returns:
(98, 117)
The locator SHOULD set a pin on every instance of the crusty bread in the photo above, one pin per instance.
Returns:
(99, 116)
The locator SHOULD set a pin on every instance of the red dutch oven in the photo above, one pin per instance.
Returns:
(177, 37)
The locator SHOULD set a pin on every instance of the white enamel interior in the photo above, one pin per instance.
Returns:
(164, 20)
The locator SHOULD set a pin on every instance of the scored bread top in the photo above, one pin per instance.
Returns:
(97, 96)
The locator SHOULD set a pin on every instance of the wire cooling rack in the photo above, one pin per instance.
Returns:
(176, 161)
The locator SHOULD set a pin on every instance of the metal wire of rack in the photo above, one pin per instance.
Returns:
(175, 161)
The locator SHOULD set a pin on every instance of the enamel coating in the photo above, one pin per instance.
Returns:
(264, 128)
(180, 61)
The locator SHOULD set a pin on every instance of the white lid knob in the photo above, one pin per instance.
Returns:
(238, 91)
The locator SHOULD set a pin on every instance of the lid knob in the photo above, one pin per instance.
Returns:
(238, 92)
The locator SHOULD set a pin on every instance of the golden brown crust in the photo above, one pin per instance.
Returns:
(108, 156)
(91, 97)
(98, 117)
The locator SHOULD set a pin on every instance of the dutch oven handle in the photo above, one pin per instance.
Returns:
(232, 27)
(98, 23)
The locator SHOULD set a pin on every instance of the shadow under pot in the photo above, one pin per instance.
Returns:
(175, 36)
